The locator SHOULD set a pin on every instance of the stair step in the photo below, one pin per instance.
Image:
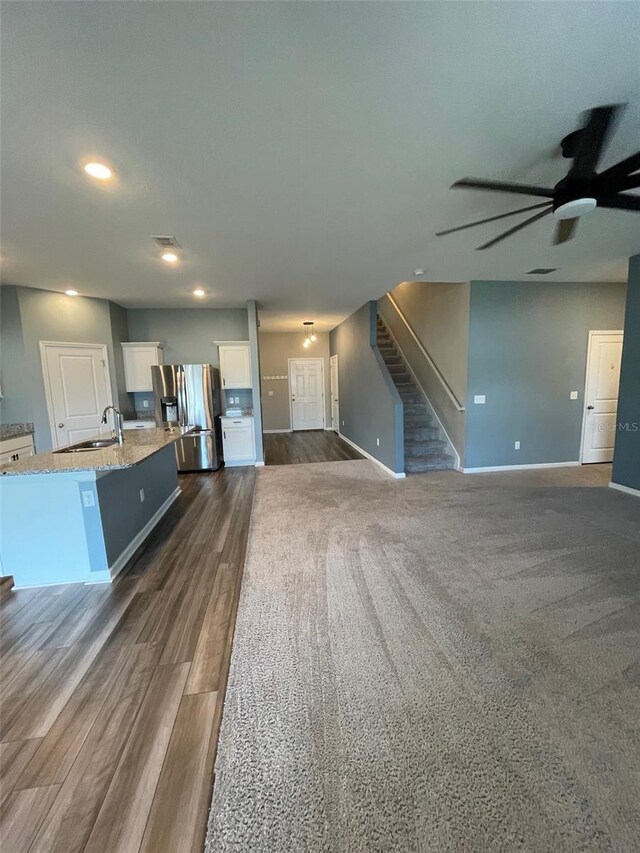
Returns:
(436, 463)
(403, 382)
(398, 367)
(416, 409)
(420, 433)
(424, 449)
(394, 361)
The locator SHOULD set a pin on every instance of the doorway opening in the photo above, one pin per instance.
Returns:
(306, 393)
(602, 381)
(77, 389)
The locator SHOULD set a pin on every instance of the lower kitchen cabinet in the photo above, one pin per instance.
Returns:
(238, 445)
(13, 449)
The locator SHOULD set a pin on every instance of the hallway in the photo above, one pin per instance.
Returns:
(290, 448)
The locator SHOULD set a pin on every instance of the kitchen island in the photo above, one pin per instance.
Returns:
(79, 517)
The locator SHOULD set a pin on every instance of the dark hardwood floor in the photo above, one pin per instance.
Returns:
(318, 445)
(112, 695)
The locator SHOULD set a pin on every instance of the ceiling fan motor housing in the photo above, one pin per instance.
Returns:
(572, 199)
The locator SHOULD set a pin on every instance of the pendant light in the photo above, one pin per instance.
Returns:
(309, 334)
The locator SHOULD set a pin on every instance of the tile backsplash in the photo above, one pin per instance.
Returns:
(244, 397)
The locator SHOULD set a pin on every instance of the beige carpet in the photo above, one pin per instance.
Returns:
(446, 663)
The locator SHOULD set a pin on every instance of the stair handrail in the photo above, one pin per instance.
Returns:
(424, 352)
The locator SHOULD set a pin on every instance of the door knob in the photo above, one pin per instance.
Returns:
(590, 407)
(60, 426)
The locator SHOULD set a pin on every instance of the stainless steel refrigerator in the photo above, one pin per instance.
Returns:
(189, 395)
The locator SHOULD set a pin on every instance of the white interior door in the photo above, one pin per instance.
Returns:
(601, 396)
(335, 399)
(307, 393)
(77, 384)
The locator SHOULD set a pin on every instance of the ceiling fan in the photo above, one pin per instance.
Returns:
(582, 190)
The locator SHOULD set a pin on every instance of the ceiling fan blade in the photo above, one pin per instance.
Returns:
(565, 229)
(515, 228)
(492, 218)
(621, 202)
(501, 187)
(608, 179)
(632, 182)
(592, 141)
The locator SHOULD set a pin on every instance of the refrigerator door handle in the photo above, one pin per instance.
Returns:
(183, 399)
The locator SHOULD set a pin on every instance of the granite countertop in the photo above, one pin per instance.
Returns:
(15, 430)
(139, 444)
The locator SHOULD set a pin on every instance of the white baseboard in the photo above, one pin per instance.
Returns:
(626, 489)
(240, 463)
(394, 474)
(116, 567)
(259, 464)
(273, 431)
(493, 468)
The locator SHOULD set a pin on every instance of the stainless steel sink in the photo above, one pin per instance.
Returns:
(91, 444)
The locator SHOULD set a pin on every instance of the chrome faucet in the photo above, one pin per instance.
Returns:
(117, 422)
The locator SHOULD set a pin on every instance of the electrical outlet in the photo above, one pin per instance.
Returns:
(573, 395)
(88, 498)
(145, 404)
(479, 399)
(516, 445)
(378, 442)
(141, 496)
(271, 393)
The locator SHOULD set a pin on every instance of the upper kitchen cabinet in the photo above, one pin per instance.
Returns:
(235, 365)
(139, 357)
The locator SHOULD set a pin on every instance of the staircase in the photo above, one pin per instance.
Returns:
(424, 449)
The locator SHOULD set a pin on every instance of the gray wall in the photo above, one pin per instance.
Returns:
(527, 352)
(16, 405)
(119, 334)
(188, 333)
(275, 350)
(626, 461)
(438, 313)
(48, 316)
(122, 513)
(370, 406)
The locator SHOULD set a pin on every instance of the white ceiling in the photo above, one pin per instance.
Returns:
(301, 152)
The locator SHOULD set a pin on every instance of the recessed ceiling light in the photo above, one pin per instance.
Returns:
(199, 292)
(99, 170)
(169, 257)
(71, 292)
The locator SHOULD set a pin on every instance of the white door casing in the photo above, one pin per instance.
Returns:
(306, 392)
(77, 388)
(335, 398)
(604, 355)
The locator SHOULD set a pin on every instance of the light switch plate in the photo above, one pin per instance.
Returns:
(88, 498)
(145, 404)
(141, 496)
(516, 445)
(573, 395)
(479, 399)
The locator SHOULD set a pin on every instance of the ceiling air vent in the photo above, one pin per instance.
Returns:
(542, 270)
(167, 242)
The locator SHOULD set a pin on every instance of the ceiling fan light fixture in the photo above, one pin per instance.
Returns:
(575, 208)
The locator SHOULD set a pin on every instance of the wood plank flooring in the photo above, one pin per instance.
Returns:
(112, 695)
(317, 445)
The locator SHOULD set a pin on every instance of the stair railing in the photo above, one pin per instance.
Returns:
(424, 352)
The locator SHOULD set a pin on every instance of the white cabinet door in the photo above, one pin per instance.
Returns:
(237, 441)
(235, 366)
(138, 360)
